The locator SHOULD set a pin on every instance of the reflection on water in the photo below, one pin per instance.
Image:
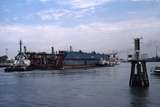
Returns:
(97, 87)
(139, 97)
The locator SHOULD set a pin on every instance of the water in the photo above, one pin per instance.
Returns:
(97, 87)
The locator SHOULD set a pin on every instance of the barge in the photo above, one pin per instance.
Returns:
(43, 60)
(79, 59)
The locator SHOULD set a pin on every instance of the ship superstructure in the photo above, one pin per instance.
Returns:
(21, 62)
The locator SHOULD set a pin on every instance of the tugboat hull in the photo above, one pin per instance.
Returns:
(156, 70)
(18, 69)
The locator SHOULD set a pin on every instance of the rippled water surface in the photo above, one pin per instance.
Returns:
(97, 87)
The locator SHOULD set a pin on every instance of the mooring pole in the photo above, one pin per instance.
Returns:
(138, 77)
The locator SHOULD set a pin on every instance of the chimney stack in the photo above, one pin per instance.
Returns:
(20, 46)
(70, 48)
(52, 50)
(25, 49)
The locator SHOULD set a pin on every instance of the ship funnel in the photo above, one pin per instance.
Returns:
(52, 50)
(25, 49)
(20, 46)
(70, 48)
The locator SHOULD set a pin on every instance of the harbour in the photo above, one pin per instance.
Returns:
(107, 86)
(97, 78)
(79, 53)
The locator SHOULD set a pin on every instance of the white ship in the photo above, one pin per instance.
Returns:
(156, 70)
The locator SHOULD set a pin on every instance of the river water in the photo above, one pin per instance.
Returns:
(96, 87)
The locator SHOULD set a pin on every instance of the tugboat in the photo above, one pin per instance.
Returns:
(103, 62)
(157, 70)
(21, 62)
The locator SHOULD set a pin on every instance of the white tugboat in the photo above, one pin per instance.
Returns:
(103, 62)
(156, 70)
(21, 62)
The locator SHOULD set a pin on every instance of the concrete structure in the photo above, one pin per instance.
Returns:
(138, 77)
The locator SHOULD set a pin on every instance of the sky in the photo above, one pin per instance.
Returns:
(102, 25)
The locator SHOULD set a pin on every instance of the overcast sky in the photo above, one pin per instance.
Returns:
(100, 25)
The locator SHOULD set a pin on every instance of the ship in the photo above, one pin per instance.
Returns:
(156, 70)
